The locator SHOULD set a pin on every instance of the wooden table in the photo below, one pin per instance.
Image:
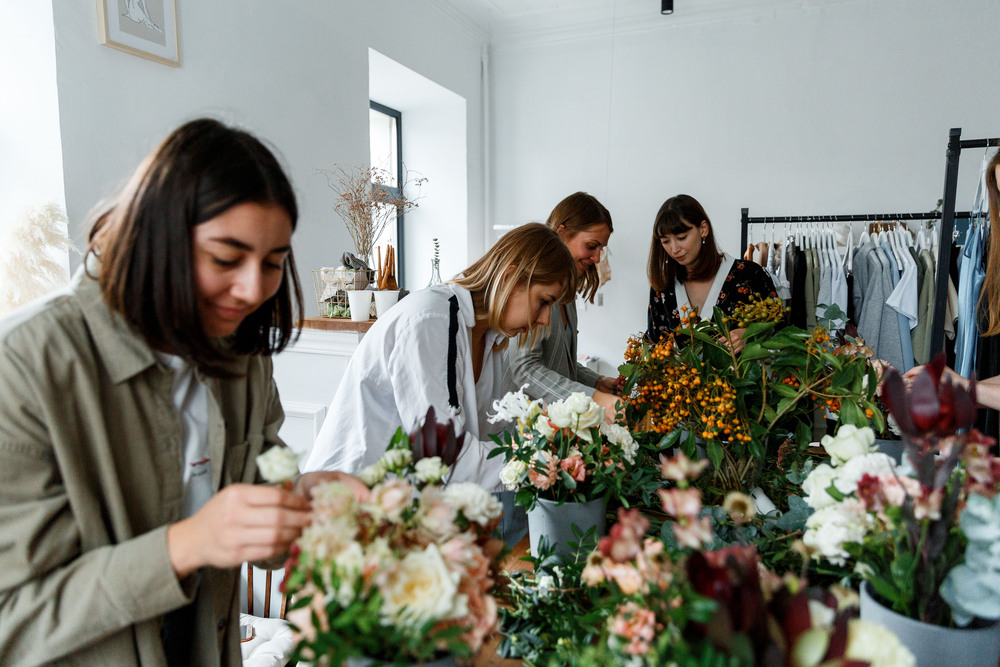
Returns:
(487, 656)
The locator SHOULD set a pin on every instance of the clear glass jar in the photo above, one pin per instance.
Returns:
(435, 272)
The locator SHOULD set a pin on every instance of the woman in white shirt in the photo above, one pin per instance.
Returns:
(441, 347)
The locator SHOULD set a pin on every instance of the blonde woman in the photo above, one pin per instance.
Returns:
(549, 366)
(441, 347)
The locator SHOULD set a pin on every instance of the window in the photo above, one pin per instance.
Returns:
(386, 142)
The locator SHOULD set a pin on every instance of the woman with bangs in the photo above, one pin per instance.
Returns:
(690, 276)
(441, 347)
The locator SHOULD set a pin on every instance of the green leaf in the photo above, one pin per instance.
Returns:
(714, 451)
(754, 351)
(850, 413)
(783, 390)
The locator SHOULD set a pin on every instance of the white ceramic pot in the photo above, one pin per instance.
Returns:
(554, 522)
(934, 645)
(360, 303)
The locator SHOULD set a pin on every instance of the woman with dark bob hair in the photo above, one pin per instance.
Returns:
(689, 275)
(133, 406)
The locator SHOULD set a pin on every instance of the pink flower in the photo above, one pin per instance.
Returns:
(550, 469)
(681, 502)
(625, 537)
(574, 466)
(928, 505)
(635, 625)
(693, 533)
(681, 467)
(482, 619)
(391, 498)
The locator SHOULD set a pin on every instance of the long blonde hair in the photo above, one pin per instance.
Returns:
(989, 297)
(529, 254)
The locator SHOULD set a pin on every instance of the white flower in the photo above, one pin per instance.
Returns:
(578, 412)
(816, 484)
(349, 563)
(830, 527)
(278, 464)
(545, 584)
(543, 426)
(850, 441)
(431, 469)
(513, 474)
(477, 504)
(421, 588)
(394, 460)
(871, 642)
(515, 406)
(620, 436)
(852, 471)
(373, 474)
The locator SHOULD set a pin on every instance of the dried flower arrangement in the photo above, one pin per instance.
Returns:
(367, 201)
(28, 269)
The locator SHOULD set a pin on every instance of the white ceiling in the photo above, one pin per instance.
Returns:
(511, 22)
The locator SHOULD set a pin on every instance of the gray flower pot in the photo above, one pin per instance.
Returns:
(933, 645)
(554, 522)
(447, 660)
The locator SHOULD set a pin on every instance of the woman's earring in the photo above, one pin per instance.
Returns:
(703, 240)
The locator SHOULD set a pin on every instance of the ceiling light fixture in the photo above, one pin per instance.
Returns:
(666, 6)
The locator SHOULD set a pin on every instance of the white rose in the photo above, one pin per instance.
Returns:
(421, 588)
(830, 527)
(513, 474)
(349, 563)
(373, 474)
(856, 468)
(543, 426)
(620, 436)
(278, 464)
(477, 504)
(431, 469)
(578, 412)
(875, 644)
(816, 484)
(395, 460)
(850, 441)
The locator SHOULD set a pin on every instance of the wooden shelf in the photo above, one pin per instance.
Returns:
(335, 324)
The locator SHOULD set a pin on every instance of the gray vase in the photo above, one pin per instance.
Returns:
(554, 522)
(447, 660)
(934, 645)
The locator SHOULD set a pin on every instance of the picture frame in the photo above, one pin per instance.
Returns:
(145, 28)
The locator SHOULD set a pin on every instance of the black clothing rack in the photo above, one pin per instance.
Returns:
(947, 215)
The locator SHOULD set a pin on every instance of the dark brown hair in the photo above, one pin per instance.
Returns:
(580, 212)
(144, 242)
(526, 255)
(989, 297)
(676, 216)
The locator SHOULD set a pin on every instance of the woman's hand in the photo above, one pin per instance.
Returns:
(948, 374)
(610, 385)
(242, 522)
(608, 402)
(735, 340)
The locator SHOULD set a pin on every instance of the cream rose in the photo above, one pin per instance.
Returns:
(578, 412)
(278, 464)
(816, 484)
(373, 474)
(850, 441)
(421, 588)
(431, 469)
(477, 504)
(395, 460)
(513, 474)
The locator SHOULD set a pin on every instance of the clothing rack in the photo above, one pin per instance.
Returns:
(947, 215)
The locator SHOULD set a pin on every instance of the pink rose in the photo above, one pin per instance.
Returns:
(681, 502)
(574, 466)
(392, 497)
(693, 534)
(550, 469)
(635, 625)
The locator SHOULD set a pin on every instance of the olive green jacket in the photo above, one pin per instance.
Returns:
(90, 477)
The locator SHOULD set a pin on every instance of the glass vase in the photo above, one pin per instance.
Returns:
(435, 272)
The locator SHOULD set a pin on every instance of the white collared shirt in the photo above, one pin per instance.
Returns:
(400, 369)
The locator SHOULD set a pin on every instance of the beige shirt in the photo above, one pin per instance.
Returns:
(90, 477)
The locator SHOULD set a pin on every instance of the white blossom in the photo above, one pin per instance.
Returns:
(373, 474)
(816, 484)
(830, 527)
(620, 436)
(513, 474)
(578, 412)
(515, 406)
(278, 464)
(477, 504)
(850, 441)
(431, 469)
(395, 460)
(422, 588)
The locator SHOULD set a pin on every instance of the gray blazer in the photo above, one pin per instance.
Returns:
(549, 366)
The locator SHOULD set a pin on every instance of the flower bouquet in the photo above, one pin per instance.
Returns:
(562, 455)
(752, 410)
(402, 573)
(922, 534)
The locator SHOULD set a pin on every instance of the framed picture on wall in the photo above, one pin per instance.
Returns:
(146, 28)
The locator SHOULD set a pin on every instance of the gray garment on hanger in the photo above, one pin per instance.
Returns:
(811, 272)
(878, 323)
(860, 263)
(925, 309)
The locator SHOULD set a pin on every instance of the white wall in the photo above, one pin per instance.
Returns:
(30, 151)
(434, 147)
(799, 108)
(295, 73)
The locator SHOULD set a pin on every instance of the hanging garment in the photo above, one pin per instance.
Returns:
(970, 280)
(812, 279)
(889, 345)
(902, 319)
(925, 310)
(797, 305)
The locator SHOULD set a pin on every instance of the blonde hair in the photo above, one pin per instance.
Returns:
(527, 255)
(989, 297)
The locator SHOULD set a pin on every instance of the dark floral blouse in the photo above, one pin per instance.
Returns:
(744, 278)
